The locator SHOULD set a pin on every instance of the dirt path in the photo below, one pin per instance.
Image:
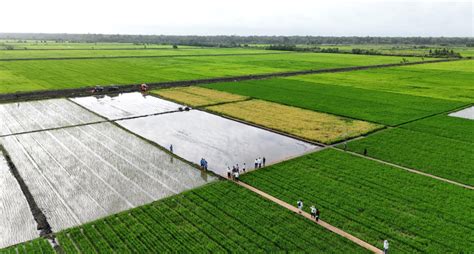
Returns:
(86, 91)
(409, 169)
(308, 216)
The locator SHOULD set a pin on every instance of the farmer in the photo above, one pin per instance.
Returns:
(236, 176)
(300, 205)
(385, 246)
(243, 167)
(317, 214)
(256, 163)
(171, 148)
(205, 164)
(313, 211)
(264, 161)
(365, 151)
(229, 173)
(202, 163)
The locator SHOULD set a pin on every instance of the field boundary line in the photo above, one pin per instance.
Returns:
(308, 216)
(408, 169)
(86, 91)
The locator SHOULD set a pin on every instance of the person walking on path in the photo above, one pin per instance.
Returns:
(317, 214)
(256, 163)
(300, 205)
(385, 246)
(259, 162)
(264, 161)
(243, 168)
(202, 163)
(313, 211)
(236, 176)
(229, 173)
(205, 164)
(171, 148)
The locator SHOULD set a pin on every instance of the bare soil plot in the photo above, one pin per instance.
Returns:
(80, 174)
(311, 125)
(16, 221)
(222, 142)
(126, 105)
(44, 114)
(467, 113)
(197, 96)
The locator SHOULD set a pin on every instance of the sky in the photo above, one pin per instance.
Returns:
(241, 17)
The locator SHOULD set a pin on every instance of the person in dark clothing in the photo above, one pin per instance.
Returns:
(365, 151)
(171, 148)
(264, 161)
(317, 214)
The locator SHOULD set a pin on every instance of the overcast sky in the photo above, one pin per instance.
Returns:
(240, 17)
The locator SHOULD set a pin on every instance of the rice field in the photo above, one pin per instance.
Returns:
(16, 221)
(80, 174)
(198, 96)
(311, 125)
(373, 201)
(219, 217)
(18, 76)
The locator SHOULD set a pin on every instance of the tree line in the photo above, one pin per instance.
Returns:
(233, 40)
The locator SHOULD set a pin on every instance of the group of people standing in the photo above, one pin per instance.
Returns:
(235, 172)
(259, 162)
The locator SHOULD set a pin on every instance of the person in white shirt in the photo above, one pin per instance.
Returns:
(313, 211)
(300, 205)
(385, 246)
(256, 163)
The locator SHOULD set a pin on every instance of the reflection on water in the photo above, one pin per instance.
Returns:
(467, 113)
(126, 105)
(222, 142)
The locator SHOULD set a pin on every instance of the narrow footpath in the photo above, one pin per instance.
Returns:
(308, 216)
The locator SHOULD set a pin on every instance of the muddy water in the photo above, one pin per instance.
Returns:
(80, 174)
(16, 221)
(24, 116)
(222, 142)
(467, 113)
(126, 105)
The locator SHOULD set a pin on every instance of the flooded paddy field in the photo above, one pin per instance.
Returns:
(43, 114)
(16, 221)
(222, 142)
(83, 173)
(467, 113)
(126, 105)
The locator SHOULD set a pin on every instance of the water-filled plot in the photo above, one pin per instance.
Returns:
(222, 142)
(126, 105)
(16, 220)
(80, 174)
(43, 114)
(467, 113)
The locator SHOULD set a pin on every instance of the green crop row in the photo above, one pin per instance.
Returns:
(375, 202)
(364, 104)
(437, 155)
(219, 217)
(38, 246)
(60, 74)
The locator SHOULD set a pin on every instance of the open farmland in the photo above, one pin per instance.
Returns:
(161, 52)
(219, 217)
(311, 125)
(374, 201)
(364, 104)
(16, 222)
(49, 45)
(60, 74)
(444, 152)
(198, 96)
(55, 113)
(448, 80)
(83, 173)
(39, 245)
